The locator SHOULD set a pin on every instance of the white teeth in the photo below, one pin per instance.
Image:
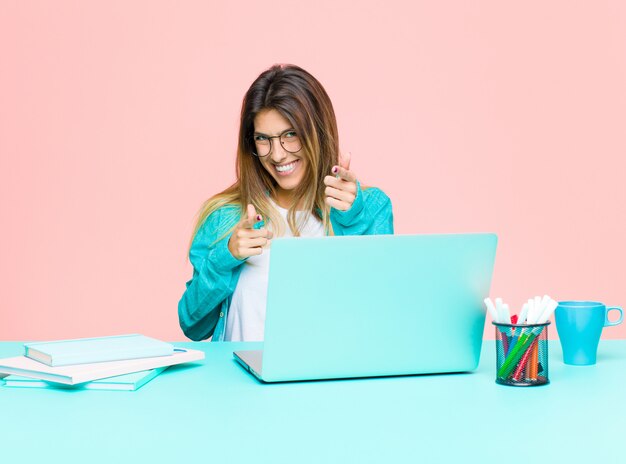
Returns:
(286, 167)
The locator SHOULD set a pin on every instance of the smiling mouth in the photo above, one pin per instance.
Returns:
(286, 169)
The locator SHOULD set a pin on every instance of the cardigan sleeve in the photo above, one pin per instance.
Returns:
(370, 214)
(215, 274)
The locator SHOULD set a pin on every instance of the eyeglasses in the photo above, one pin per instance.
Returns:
(288, 139)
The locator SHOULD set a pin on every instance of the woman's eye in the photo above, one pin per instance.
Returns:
(260, 138)
(290, 134)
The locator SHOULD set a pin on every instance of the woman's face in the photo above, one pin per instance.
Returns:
(286, 168)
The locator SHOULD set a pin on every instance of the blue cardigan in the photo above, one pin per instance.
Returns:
(203, 308)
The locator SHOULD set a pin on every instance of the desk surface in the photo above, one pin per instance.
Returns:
(214, 411)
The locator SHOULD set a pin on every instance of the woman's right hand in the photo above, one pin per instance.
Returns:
(246, 241)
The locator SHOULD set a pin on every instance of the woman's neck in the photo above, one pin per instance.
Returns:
(284, 199)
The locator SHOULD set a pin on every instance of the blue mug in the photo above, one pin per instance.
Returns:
(579, 325)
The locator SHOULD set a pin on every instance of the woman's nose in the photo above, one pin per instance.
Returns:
(278, 152)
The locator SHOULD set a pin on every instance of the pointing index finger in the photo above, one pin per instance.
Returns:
(250, 218)
(344, 174)
(344, 160)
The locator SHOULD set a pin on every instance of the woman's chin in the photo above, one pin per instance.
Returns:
(288, 184)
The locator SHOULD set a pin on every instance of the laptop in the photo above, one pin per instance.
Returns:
(370, 306)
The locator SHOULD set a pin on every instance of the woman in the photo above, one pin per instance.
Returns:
(291, 181)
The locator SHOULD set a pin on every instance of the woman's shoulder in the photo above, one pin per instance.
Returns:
(225, 213)
(221, 219)
(227, 210)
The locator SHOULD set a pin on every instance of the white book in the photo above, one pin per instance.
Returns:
(128, 382)
(99, 349)
(79, 373)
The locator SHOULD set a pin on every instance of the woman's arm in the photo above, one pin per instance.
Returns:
(370, 214)
(356, 211)
(215, 275)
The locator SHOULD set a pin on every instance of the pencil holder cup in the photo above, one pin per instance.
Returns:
(522, 354)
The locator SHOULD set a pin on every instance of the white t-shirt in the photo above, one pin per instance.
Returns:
(246, 315)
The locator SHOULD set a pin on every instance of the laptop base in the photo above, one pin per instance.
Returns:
(251, 360)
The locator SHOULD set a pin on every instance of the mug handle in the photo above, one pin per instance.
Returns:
(608, 323)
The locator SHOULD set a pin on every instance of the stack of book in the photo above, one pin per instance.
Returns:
(124, 362)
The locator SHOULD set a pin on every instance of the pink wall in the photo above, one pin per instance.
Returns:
(117, 119)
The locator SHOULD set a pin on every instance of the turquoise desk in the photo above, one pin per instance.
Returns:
(213, 411)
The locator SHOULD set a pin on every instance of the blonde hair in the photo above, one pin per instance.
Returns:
(302, 100)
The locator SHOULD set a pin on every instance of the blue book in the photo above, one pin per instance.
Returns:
(128, 382)
(94, 350)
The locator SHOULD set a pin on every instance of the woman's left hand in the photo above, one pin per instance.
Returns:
(341, 187)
